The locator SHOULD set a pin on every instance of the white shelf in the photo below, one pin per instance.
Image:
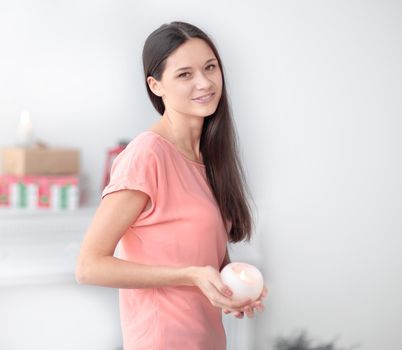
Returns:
(11, 213)
(39, 247)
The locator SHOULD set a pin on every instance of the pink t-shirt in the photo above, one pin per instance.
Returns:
(183, 227)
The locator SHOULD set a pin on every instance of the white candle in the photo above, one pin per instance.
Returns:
(245, 280)
(25, 129)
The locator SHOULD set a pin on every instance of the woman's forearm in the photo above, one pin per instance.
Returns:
(110, 271)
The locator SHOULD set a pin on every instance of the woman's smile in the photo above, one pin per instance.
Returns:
(205, 98)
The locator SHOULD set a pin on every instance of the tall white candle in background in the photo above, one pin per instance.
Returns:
(245, 280)
(25, 129)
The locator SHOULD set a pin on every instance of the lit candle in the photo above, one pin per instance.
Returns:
(25, 129)
(245, 280)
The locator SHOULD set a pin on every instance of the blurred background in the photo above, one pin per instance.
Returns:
(316, 91)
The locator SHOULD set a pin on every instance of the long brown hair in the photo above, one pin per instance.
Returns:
(218, 143)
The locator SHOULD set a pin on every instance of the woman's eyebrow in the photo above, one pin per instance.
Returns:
(211, 59)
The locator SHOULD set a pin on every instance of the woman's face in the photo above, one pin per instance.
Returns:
(191, 83)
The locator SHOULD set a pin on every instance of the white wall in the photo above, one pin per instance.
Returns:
(61, 316)
(330, 215)
(316, 92)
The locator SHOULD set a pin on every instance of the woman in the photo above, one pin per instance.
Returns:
(175, 198)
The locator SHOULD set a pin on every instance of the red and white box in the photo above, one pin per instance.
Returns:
(39, 192)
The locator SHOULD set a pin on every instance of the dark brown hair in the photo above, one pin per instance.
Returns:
(218, 143)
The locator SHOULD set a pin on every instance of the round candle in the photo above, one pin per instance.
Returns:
(245, 280)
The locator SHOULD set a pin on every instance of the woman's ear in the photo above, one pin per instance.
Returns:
(154, 85)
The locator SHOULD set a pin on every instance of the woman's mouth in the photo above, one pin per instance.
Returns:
(205, 98)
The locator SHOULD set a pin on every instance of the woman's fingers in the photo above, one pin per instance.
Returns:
(215, 279)
(209, 281)
(252, 308)
(226, 303)
(258, 305)
(239, 314)
(214, 289)
(220, 300)
(221, 295)
(249, 311)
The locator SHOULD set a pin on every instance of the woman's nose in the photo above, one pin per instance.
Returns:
(202, 81)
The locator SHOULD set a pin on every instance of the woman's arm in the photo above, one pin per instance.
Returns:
(97, 265)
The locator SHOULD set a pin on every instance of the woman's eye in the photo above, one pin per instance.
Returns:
(183, 75)
(187, 74)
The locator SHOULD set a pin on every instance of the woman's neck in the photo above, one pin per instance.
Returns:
(183, 132)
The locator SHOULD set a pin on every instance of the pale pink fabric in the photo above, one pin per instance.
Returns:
(183, 227)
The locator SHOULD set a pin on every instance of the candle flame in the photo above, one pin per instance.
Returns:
(25, 129)
(245, 277)
(25, 118)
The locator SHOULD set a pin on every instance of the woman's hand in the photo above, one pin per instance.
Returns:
(208, 280)
(250, 309)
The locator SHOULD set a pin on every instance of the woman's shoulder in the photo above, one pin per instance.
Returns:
(146, 141)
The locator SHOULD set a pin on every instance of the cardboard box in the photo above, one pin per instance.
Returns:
(39, 192)
(40, 161)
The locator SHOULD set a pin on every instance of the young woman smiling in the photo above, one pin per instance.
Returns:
(176, 198)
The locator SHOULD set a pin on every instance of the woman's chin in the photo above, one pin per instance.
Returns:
(205, 111)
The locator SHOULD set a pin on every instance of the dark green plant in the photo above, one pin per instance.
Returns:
(302, 342)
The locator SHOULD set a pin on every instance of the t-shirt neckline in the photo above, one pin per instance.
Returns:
(175, 148)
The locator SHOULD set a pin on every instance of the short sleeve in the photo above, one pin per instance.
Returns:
(135, 168)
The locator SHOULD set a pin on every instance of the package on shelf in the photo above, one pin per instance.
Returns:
(39, 192)
(40, 161)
